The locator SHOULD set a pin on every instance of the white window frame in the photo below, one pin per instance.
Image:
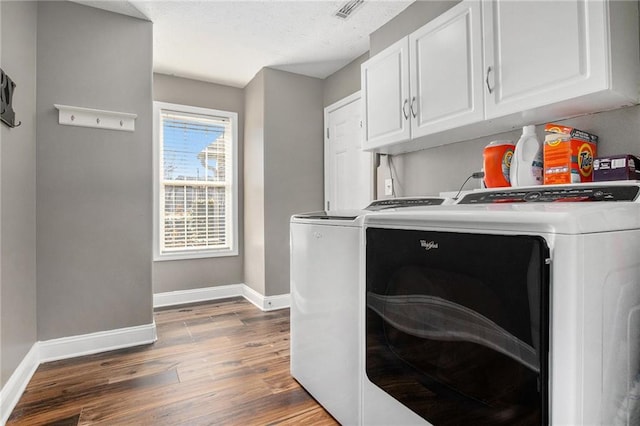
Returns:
(158, 107)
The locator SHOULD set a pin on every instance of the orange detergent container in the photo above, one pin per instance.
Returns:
(497, 162)
(568, 155)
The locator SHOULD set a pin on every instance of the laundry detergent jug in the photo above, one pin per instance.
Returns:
(526, 164)
(497, 163)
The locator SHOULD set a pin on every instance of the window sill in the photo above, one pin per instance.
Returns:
(194, 255)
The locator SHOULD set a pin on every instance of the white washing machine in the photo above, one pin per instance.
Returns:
(325, 303)
(512, 307)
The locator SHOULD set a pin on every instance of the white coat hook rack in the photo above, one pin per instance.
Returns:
(100, 119)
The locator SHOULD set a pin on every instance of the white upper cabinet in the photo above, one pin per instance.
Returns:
(427, 82)
(541, 53)
(489, 66)
(446, 71)
(385, 96)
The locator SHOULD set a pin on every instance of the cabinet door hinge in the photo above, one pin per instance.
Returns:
(361, 123)
(327, 133)
(328, 205)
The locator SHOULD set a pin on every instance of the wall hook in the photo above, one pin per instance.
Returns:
(97, 118)
(7, 87)
(11, 125)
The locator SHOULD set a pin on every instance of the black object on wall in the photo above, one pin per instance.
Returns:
(7, 86)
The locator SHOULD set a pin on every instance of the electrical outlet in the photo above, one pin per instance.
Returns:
(388, 186)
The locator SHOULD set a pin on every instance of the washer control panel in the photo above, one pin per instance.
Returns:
(393, 203)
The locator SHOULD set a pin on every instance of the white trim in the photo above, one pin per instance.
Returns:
(102, 341)
(181, 297)
(17, 383)
(68, 347)
(344, 101)
(157, 178)
(328, 172)
(266, 303)
(329, 177)
(195, 254)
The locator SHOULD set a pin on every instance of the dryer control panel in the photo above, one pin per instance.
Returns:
(578, 193)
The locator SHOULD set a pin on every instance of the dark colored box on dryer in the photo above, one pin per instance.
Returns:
(616, 167)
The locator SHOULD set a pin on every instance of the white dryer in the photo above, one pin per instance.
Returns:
(326, 260)
(514, 306)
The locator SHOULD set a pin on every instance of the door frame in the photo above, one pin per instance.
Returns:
(328, 175)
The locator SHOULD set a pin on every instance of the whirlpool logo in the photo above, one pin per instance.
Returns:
(428, 245)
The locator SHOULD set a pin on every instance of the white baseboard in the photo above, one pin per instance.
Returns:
(181, 297)
(102, 341)
(266, 303)
(17, 383)
(68, 347)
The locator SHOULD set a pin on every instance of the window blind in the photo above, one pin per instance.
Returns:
(196, 182)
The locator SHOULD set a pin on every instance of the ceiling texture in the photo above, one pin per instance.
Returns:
(228, 42)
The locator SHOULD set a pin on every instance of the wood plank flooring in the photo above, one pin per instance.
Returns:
(219, 363)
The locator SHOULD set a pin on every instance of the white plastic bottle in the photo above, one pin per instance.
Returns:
(526, 164)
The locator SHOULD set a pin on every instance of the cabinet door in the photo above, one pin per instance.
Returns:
(446, 71)
(385, 96)
(539, 52)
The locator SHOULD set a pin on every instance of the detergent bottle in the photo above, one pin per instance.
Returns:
(496, 163)
(526, 164)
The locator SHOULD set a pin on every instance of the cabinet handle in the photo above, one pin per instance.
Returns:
(404, 109)
(413, 100)
(487, 80)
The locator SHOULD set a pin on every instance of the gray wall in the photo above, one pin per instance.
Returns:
(254, 255)
(94, 188)
(197, 273)
(412, 18)
(18, 189)
(294, 165)
(283, 170)
(344, 82)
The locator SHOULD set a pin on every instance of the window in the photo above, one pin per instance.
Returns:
(196, 182)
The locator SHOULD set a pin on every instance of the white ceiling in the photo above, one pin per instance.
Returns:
(228, 42)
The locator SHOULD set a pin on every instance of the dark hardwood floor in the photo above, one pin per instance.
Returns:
(224, 362)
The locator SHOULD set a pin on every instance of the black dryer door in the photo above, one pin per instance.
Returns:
(457, 324)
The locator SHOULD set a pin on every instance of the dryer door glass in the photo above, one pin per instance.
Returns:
(457, 324)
